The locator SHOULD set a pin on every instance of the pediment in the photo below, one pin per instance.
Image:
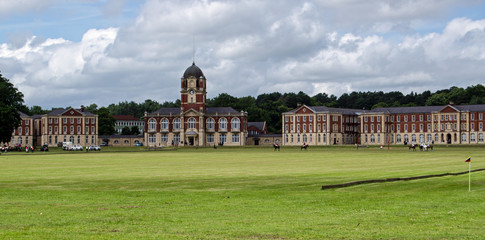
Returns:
(449, 109)
(71, 112)
(304, 110)
(192, 113)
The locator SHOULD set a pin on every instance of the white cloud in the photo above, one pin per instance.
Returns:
(248, 48)
(9, 7)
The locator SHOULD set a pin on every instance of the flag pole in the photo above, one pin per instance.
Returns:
(469, 175)
(469, 161)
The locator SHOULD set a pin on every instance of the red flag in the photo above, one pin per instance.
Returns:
(469, 159)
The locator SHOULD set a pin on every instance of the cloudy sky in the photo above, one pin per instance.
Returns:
(62, 53)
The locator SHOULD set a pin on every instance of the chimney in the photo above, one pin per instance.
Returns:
(452, 103)
(82, 108)
(298, 105)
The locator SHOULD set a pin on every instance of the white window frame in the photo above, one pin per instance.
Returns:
(235, 123)
(223, 123)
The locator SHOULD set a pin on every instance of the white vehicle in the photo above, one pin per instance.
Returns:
(66, 145)
(94, 148)
(76, 148)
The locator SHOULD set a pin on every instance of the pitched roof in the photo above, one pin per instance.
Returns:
(166, 111)
(221, 110)
(402, 110)
(57, 112)
(428, 109)
(258, 125)
(325, 109)
(471, 108)
(23, 115)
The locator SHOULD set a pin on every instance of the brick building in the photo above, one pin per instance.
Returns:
(320, 125)
(194, 124)
(23, 135)
(61, 125)
(69, 125)
(451, 124)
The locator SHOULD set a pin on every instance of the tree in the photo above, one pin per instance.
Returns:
(380, 104)
(106, 122)
(437, 99)
(11, 103)
(93, 108)
(125, 131)
(37, 110)
(135, 130)
(223, 100)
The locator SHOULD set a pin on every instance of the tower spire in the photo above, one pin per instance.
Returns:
(193, 48)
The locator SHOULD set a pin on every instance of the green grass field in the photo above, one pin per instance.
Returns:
(241, 193)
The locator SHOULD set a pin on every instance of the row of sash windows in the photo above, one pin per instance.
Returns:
(191, 123)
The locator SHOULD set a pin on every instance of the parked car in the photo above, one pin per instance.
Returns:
(67, 146)
(44, 148)
(76, 148)
(94, 148)
(139, 144)
(104, 144)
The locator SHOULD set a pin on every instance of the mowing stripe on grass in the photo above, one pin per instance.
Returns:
(395, 179)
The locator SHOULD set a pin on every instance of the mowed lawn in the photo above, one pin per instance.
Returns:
(242, 193)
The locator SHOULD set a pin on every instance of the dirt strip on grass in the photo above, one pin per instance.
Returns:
(324, 187)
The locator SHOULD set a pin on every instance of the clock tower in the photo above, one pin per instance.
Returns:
(193, 90)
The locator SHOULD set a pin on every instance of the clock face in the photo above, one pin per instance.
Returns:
(191, 91)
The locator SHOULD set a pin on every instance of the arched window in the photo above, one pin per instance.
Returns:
(413, 138)
(164, 124)
(398, 138)
(210, 123)
(305, 138)
(223, 123)
(463, 137)
(235, 124)
(126, 141)
(406, 138)
(472, 137)
(191, 123)
(480, 137)
(152, 124)
(71, 139)
(372, 138)
(421, 138)
(176, 123)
